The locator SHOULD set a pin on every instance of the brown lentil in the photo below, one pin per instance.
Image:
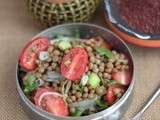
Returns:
(50, 49)
(92, 59)
(85, 95)
(110, 65)
(73, 91)
(117, 63)
(86, 89)
(105, 75)
(118, 67)
(102, 64)
(49, 59)
(89, 49)
(38, 75)
(101, 68)
(50, 68)
(121, 56)
(78, 94)
(95, 68)
(73, 98)
(112, 60)
(114, 52)
(98, 62)
(56, 52)
(41, 70)
(91, 66)
(55, 59)
(125, 61)
(100, 90)
(98, 56)
(92, 91)
(108, 70)
(91, 96)
(79, 99)
(54, 65)
(117, 56)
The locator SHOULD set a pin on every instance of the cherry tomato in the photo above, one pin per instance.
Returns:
(50, 101)
(74, 64)
(30, 52)
(114, 92)
(110, 96)
(122, 77)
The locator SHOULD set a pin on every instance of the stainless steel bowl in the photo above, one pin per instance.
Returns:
(116, 111)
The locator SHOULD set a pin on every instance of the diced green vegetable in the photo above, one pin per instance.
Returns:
(101, 104)
(76, 112)
(30, 84)
(104, 52)
(63, 45)
(94, 80)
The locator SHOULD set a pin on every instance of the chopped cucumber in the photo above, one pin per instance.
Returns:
(94, 80)
(63, 45)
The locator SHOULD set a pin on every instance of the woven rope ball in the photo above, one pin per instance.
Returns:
(52, 12)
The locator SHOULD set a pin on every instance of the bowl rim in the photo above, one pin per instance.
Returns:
(95, 116)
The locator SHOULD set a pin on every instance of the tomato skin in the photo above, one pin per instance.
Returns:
(114, 92)
(77, 60)
(39, 92)
(51, 103)
(110, 96)
(30, 52)
(122, 77)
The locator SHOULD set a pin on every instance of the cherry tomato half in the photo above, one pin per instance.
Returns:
(114, 92)
(74, 64)
(30, 52)
(110, 96)
(51, 101)
(122, 77)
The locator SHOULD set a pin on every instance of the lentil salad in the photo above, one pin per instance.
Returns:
(73, 77)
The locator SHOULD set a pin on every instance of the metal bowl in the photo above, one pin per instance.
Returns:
(116, 111)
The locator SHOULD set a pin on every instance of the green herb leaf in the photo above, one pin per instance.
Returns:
(77, 112)
(30, 84)
(111, 82)
(104, 52)
(101, 104)
(78, 88)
